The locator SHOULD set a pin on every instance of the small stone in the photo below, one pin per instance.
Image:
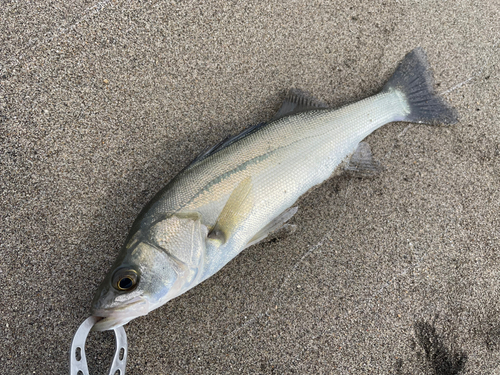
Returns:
(106, 81)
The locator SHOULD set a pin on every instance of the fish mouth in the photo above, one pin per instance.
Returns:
(109, 323)
(116, 317)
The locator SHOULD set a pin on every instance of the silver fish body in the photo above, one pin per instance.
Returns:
(229, 197)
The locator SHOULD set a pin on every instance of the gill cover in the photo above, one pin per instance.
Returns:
(157, 264)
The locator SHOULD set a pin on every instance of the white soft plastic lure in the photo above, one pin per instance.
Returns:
(236, 193)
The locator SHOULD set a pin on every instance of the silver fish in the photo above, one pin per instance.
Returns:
(242, 189)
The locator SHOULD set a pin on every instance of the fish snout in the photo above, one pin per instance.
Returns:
(118, 316)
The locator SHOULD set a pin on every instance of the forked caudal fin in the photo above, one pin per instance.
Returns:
(413, 78)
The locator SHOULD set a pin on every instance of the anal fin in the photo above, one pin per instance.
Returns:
(362, 162)
(275, 225)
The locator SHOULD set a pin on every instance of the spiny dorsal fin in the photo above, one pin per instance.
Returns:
(295, 102)
(298, 101)
(226, 142)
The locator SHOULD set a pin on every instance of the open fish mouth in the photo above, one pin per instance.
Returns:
(116, 317)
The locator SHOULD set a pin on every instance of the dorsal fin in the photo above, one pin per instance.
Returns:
(298, 101)
(295, 102)
(226, 142)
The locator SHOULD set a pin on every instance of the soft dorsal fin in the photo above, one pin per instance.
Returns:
(298, 101)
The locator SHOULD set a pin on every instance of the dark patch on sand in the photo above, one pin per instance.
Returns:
(443, 359)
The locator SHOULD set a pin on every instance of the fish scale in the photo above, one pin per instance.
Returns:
(331, 129)
(239, 191)
(328, 138)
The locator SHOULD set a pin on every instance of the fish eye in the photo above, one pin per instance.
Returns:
(124, 279)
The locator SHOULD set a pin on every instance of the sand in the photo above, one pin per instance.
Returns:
(102, 103)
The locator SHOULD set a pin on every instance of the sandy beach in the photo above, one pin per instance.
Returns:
(102, 103)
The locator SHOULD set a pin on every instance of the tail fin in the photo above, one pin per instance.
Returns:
(413, 78)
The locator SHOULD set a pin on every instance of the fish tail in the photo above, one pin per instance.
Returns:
(413, 78)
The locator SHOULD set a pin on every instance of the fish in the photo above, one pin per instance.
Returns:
(236, 193)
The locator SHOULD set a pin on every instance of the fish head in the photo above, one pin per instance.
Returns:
(156, 265)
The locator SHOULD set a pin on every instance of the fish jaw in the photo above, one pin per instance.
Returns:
(114, 318)
(110, 323)
(160, 275)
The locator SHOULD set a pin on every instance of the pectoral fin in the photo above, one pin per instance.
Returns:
(236, 210)
(274, 225)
